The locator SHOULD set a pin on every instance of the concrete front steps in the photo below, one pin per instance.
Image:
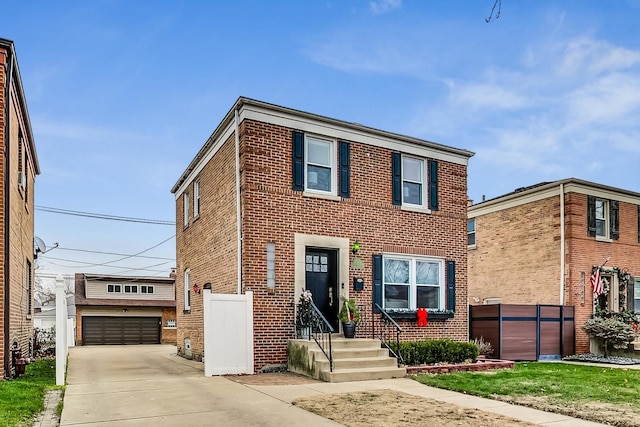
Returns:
(354, 359)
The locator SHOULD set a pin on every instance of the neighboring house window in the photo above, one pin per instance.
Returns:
(185, 205)
(130, 289)
(196, 199)
(319, 164)
(146, 289)
(602, 218)
(414, 181)
(471, 232)
(187, 290)
(411, 282)
(636, 297)
(28, 272)
(114, 289)
(170, 323)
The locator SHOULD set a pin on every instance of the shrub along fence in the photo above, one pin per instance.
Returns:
(525, 332)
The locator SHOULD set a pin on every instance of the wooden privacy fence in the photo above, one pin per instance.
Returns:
(524, 332)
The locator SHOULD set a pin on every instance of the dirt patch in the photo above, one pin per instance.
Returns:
(619, 414)
(393, 408)
(272, 378)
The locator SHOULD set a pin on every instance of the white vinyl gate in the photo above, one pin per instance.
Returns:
(228, 333)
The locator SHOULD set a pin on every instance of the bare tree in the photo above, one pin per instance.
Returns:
(497, 3)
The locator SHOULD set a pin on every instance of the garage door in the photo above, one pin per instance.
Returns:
(120, 330)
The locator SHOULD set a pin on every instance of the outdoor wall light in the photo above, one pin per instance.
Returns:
(196, 288)
(356, 247)
(271, 268)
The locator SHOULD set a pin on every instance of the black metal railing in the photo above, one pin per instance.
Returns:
(387, 331)
(319, 329)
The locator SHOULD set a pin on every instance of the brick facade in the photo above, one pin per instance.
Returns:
(273, 212)
(16, 306)
(517, 256)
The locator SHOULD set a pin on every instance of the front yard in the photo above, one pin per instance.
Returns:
(605, 395)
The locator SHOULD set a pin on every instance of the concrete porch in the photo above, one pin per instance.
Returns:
(354, 359)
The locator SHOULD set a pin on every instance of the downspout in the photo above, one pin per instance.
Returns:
(238, 206)
(7, 214)
(562, 244)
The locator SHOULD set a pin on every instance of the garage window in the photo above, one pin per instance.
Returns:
(114, 289)
(146, 289)
(130, 289)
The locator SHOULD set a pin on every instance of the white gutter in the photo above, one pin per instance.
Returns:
(238, 207)
(562, 244)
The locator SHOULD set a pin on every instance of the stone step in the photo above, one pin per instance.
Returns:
(362, 374)
(352, 353)
(339, 342)
(358, 362)
(636, 346)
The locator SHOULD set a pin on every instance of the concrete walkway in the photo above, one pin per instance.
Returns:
(150, 385)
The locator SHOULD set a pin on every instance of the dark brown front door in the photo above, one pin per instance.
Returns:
(321, 278)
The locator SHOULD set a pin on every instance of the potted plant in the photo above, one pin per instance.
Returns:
(303, 314)
(349, 315)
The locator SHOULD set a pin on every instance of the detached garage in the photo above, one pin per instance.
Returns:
(125, 310)
(121, 330)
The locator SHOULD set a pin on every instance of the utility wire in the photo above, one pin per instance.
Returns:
(113, 253)
(103, 216)
(109, 266)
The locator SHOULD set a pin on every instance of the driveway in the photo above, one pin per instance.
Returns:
(146, 385)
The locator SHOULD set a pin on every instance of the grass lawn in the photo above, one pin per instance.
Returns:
(21, 399)
(594, 393)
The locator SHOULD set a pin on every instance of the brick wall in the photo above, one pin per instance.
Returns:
(271, 211)
(208, 246)
(517, 255)
(168, 334)
(3, 60)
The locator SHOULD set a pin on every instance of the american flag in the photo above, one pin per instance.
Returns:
(596, 282)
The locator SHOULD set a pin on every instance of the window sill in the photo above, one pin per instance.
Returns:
(186, 311)
(603, 239)
(415, 209)
(470, 247)
(322, 196)
(412, 315)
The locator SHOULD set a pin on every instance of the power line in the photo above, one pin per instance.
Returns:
(89, 265)
(114, 253)
(103, 216)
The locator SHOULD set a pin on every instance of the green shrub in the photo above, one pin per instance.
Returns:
(610, 332)
(435, 351)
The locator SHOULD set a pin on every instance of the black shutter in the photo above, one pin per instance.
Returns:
(297, 157)
(396, 174)
(377, 282)
(451, 285)
(614, 217)
(345, 169)
(630, 295)
(591, 216)
(433, 185)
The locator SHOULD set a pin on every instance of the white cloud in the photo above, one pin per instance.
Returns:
(383, 6)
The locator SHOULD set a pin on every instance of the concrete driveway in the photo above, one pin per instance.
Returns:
(149, 385)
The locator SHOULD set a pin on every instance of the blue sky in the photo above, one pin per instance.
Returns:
(122, 95)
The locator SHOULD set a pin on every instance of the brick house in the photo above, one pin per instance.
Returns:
(540, 244)
(125, 309)
(18, 169)
(273, 181)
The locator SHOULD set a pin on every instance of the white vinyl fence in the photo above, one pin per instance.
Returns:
(62, 348)
(228, 333)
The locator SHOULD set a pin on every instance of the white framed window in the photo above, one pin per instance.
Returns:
(320, 165)
(185, 206)
(410, 283)
(602, 218)
(187, 289)
(636, 296)
(471, 232)
(196, 199)
(413, 181)
(114, 289)
(146, 289)
(170, 323)
(130, 289)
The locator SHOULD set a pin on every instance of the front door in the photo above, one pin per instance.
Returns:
(321, 278)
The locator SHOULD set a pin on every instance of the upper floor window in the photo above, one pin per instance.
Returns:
(602, 218)
(146, 289)
(114, 289)
(187, 290)
(414, 182)
(319, 164)
(130, 289)
(471, 232)
(185, 206)
(196, 199)
(411, 283)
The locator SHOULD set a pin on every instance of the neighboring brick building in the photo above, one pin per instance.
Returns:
(18, 168)
(307, 187)
(519, 254)
(125, 309)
